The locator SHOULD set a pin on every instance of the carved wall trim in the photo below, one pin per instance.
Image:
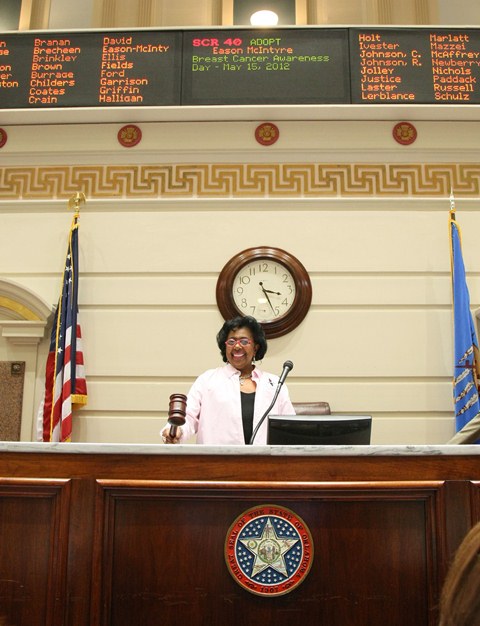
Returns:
(240, 180)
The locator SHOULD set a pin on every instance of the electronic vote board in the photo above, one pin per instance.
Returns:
(294, 66)
(239, 66)
(84, 69)
(398, 66)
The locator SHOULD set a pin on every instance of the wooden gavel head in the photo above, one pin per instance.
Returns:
(177, 409)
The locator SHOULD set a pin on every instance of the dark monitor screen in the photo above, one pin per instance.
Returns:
(319, 430)
(273, 66)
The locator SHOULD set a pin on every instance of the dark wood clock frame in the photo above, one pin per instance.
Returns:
(303, 288)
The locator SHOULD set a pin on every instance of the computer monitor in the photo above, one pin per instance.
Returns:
(319, 430)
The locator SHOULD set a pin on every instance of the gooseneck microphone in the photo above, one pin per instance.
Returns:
(287, 366)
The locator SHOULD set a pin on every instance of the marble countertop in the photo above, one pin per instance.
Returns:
(199, 450)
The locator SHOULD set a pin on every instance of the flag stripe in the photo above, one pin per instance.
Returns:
(65, 381)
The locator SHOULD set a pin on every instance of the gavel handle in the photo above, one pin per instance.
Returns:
(173, 431)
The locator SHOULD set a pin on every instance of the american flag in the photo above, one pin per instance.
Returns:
(65, 382)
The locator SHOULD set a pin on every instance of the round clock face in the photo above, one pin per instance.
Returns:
(264, 289)
(268, 284)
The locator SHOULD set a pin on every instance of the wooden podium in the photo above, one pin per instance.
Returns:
(112, 535)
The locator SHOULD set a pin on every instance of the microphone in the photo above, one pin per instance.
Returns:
(287, 366)
(176, 412)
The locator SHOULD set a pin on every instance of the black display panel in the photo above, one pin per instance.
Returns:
(415, 66)
(319, 430)
(278, 66)
(281, 66)
(87, 69)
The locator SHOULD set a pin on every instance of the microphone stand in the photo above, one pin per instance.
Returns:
(287, 366)
(277, 391)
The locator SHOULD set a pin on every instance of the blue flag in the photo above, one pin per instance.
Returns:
(465, 380)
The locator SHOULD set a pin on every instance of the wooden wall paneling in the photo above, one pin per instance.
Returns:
(400, 546)
(459, 496)
(372, 520)
(190, 463)
(160, 553)
(80, 553)
(475, 500)
(33, 550)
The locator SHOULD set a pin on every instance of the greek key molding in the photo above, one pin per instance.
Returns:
(290, 180)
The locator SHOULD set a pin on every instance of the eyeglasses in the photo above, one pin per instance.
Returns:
(243, 341)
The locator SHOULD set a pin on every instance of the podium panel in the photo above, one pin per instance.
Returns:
(33, 549)
(99, 535)
(163, 553)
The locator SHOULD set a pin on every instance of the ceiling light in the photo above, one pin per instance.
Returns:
(264, 18)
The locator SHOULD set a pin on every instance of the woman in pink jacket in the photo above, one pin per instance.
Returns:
(224, 405)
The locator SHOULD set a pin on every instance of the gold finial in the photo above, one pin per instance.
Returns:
(76, 200)
(452, 205)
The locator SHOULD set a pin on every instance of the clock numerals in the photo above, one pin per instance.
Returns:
(267, 312)
(264, 289)
(259, 268)
(267, 283)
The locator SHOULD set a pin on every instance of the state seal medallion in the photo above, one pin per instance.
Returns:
(267, 134)
(404, 133)
(129, 136)
(269, 550)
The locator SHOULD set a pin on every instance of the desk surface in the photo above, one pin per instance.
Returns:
(269, 451)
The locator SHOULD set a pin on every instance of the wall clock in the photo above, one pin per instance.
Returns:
(267, 283)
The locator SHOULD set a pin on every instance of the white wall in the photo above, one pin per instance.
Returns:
(70, 14)
(365, 215)
(460, 12)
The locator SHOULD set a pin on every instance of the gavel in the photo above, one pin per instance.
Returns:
(176, 412)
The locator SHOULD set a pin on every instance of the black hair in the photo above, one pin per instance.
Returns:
(255, 328)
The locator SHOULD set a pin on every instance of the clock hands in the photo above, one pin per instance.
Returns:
(277, 293)
(266, 292)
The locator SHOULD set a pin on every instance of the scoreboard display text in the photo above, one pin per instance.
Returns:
(239, 67)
